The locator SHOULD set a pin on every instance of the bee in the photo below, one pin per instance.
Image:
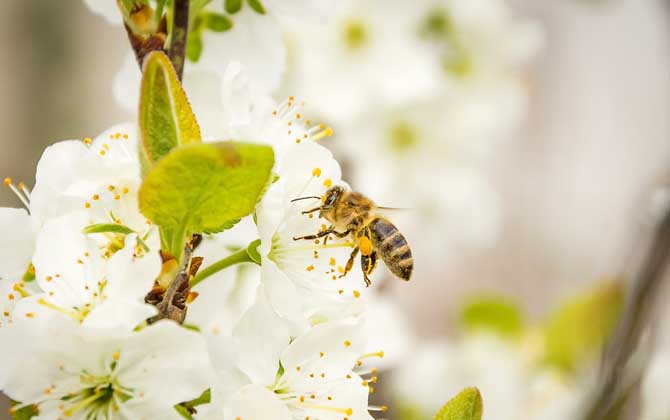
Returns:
(353, 215)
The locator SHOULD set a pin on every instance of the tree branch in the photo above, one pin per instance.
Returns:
(179, 35)
(635, 317)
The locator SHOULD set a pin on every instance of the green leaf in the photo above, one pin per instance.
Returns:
(204, 188)
(107, 228)
(186, 409)
(497, 314)
(194, 46)
(579, 327)
(467, 405)
(29, 274)
(165, 116)
(257, 6)
(24, 413)
(232, 6)
(218, 22)
(183, 411)
(252, 250)
(204, 398)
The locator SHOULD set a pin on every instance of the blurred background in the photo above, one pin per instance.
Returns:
(549, 203)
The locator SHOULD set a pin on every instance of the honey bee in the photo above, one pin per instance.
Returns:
(351, 214)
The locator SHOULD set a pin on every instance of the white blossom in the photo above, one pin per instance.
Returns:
(302, 278)
(81, 373)
(78, 280)
(313, 376)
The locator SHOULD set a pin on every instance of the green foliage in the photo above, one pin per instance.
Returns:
(107, 228)
(257, 5)
(194, 46)
(24, 413)
(467, 405)
(187, 409)
(232, 6)
(252, 250)
(165, 116)
(204, 188)
(217, 22)
(579, 327)
(497, 314)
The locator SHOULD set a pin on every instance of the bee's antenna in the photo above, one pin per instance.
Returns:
(305, 198)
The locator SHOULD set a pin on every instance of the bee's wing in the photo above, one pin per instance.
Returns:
(391, 210)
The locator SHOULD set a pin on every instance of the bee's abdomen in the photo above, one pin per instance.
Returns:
(392, 247)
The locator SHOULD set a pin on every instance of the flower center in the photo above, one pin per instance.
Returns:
(98, 397)
(298, 128)
(79, 313)
(355, 34)
(402, 136)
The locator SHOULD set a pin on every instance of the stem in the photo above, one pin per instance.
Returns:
(177, 50)
(634, 319)
(240, 256)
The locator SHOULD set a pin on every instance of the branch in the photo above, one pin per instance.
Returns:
(634, 319)
(171, 302)
(179, 35)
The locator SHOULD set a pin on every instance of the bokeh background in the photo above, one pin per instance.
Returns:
(574, 187)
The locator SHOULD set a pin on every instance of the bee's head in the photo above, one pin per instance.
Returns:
(330, 198)
(329, 202)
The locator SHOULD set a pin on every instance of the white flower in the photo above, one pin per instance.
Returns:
(301, 277)
(98, 176)
(78, 280)
(479, 40)
(312, 377)
(74, 372)
(16, 251)
(363, 57)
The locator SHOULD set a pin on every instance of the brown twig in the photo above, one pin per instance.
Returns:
(179, 35)
(145, 39)
(634, 319)
(171, 302)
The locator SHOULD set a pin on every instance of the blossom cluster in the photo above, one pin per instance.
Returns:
(284, 336)
(281, 336)
(284, 340)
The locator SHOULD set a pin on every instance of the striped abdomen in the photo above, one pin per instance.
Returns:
(392, 247)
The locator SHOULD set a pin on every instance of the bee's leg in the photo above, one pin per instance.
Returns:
(315, 236)
(368, 264)
(350, 262)
(338, 234)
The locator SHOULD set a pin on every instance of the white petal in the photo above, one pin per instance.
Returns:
(130, 277)
(254, 402)
(126, 85)
(331, 348)
(118, 314)
(281, 292)
(18, 243)
(107, 9)
(61, 264)
(59, 167)
(260, 337)
(255, 41)
(168, 363)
